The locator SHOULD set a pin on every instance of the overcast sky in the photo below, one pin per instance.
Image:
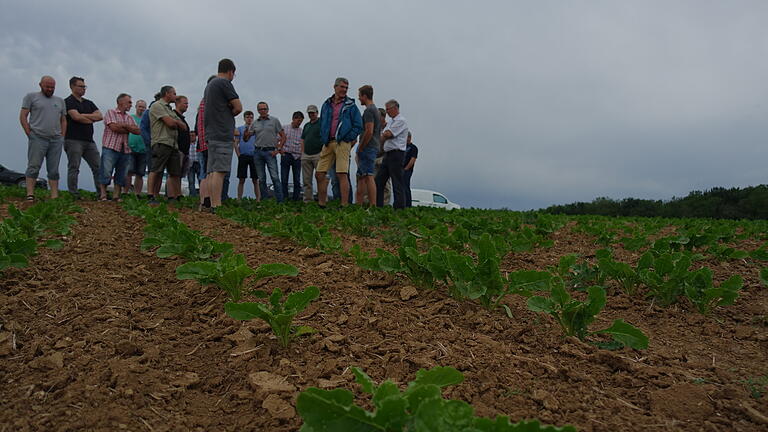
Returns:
(517, 104)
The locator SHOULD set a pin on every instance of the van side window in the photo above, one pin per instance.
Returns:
(439, 199)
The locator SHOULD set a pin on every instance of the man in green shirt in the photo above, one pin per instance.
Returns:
(138, 164)
(165, 126)
(311, 145)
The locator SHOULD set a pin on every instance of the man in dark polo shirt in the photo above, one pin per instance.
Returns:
(78, 142)
(311, 144)
(182, 104)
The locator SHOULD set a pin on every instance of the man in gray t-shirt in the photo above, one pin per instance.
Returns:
(222, 105)
(270, 139)
(368, 148)
(44, 119)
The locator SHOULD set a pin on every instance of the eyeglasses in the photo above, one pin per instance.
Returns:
(82, 86)
(343, 86)
(262, 109)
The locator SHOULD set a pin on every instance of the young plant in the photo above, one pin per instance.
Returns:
(575, 316)
(706, 296)
(230, 272)
(278, 315)
(421, 407)
(665, 275)
(176, 239)
(621, 272)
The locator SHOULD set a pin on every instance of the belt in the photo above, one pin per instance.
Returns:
(265, 148)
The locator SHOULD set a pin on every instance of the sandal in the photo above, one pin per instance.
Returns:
(104, 199)
(30, 198)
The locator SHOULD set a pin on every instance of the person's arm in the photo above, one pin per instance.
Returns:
(302, 145)
(281, 139)
(410, 164)
(94, 116)
(387, 135)
(236, 142)
(236, 106)
(25, 121)
(63, 120)
(170, 122)
(80, 118)
(367, 135)
(357, 122)
(180, 125)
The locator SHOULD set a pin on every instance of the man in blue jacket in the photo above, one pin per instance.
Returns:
(340, 124)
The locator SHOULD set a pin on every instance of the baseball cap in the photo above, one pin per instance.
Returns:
(311, 108)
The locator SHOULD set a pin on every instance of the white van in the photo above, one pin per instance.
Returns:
(428, 198)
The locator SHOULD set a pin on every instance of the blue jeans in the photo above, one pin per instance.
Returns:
(407, 186)
(263, 158)
(44, 148)
(113, 160)
(293, 163)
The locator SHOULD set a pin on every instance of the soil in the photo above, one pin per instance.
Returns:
(101, 336)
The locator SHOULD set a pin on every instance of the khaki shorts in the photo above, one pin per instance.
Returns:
(338, 152)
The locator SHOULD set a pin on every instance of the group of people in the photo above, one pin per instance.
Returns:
(158, 136)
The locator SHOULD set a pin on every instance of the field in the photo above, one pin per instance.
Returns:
(99, 334)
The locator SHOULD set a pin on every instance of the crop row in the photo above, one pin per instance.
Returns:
(420, 407)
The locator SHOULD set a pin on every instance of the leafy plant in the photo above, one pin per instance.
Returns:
(618, 271)
(278, 315)
(700, 289)
(176, 239)
(665, 275)
(575, 316)
(230, 272)
(420, 407)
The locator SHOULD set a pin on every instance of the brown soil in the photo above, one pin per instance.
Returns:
(101, 336)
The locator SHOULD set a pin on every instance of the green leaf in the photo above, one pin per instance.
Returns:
(627, 334)
(595, 300)
(333, 411)
(299, 300)
(276, 269)
(54, 244)
(367, 384)
(247, 311)
(541, 304)
(198, 270)
(303, 331)
(440, 376)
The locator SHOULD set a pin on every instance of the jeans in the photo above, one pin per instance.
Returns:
(292, 163)
(76, 151)
(40, 148)
(225, 187)
(263, 158)
(407, 186)
(194, 173)
(391, 167)
(113, 160)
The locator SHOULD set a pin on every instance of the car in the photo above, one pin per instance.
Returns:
(11, 177)
(428, 198)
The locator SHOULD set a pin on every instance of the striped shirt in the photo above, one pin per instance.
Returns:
(114, 140)
(292, 140)
(202, 145)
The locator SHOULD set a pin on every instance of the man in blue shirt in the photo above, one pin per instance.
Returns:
(244, 149)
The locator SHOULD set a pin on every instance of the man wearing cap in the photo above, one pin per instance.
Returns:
(269, 142)
(311, 144)
(340, 124)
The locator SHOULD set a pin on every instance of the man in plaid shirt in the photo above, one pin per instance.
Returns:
(115, 153)
(290, 158)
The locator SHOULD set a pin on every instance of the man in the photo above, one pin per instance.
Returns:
(222, 104)
(78, 142)
(411, 153)
(244, 149)
(394, 136)
(290, 159)
(202, 152)
(184, 138)
(43, 117)
(311, 144)
(340, 124)
(368, 148)
(269, 141)
(115, 153)
(194, 167)
(165, 125)
(137, 165)
(380, 159)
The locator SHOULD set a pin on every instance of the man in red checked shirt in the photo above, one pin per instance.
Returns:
(115, 153)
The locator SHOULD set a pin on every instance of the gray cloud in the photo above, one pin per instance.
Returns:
(512, 104)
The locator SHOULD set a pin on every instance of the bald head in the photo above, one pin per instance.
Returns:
(47, 85)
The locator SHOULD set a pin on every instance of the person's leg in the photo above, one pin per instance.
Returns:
(285, 166)
(242, 174)
(36, 149)
(216, 182)
(240, 186)
(326, 159)
(205, 193)
(109, 159)
(74, 151)
(334, 179)
(359, 195)
(296, 171)
(272, 167)
(251, 167)
(407, 186)
(307, 174)
(120, 169)
(381, 180)
(93, 159)
(396, 174)
(225, 187)
(342, 171)
(260, 161)
(52, 159)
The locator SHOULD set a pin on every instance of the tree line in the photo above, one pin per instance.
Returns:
(720, 203)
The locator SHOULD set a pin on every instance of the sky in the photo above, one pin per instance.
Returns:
(513, 104)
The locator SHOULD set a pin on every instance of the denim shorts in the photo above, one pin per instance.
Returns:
(44, 148)
(137, 164)
(113, 160)
(366, 160)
